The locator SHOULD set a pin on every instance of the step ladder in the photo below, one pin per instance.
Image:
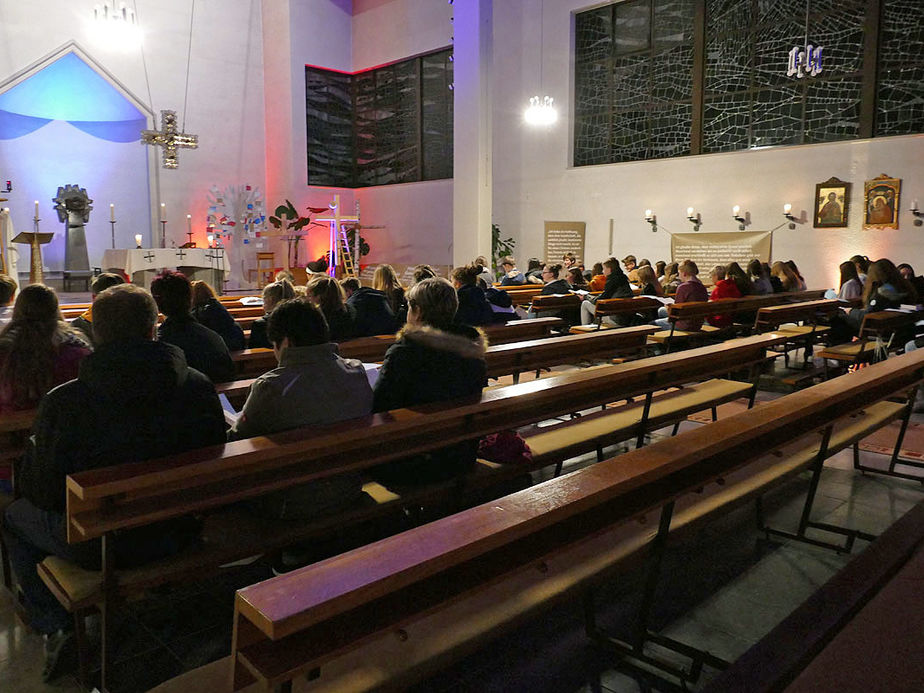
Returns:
(346, 255)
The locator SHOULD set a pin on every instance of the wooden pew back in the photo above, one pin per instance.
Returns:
(123, 496)
(294, 623)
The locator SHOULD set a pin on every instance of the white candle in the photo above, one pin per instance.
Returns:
(189, 223)
(210, 238)
(914, 205)
(736, 209)
(689, 211)
(787, 208)
(138, 239)
(648, 214)
(36, 210)
(111, 212)
(163, 211)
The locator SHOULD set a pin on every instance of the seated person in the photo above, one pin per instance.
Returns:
(325, 292)
(690, 289)
(554, 284)
(916, 281)
(631, 264)
(290, 396)
(534, 270)
(385, 279)
(576, 279)
(850, 286)
(474, 308)
(422, 272)
(884, 288)
(597, 278)
(433, 360)
(204, 348)
(760, 278)
(485, 275)
(272, 294)
(135, 399)
(617, 286)
(374, 314)
(208, 311)
(512, 276)
(101, 282)
(38, 350)
(649, 286)
(7, 291)
(722, 288)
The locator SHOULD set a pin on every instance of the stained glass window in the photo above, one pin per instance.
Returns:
(635, 66)
(389, 125)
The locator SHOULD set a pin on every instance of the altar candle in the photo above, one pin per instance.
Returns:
(163, 211)
(111, 212)
(36, 210)
(189, 223)
(210, 238)
(138, 239)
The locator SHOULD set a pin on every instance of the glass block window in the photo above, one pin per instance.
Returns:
(642, 74)
(389, 125)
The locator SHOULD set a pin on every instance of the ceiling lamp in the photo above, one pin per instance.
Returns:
(116, 26)
(541, 110)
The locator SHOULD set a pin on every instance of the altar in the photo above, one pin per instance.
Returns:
(142, 264)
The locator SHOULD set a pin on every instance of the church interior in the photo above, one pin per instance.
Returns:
(737, 507)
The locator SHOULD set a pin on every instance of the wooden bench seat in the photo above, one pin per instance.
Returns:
(880, 333)
(474, 573)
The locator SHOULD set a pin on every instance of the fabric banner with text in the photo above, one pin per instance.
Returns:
(564, 237)
(710, 249)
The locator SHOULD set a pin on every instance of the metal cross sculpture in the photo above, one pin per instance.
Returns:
(169, 138)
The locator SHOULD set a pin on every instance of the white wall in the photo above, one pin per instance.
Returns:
(225, 104)
(418, 216)
(534, 180)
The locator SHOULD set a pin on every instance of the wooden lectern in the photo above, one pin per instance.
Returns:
(35, 240)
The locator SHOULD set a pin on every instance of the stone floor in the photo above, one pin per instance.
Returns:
(722, 590)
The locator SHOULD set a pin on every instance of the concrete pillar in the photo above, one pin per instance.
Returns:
(472, 186)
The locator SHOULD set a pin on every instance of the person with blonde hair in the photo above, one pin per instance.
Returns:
(386, 280)
(327, 294)
(787, 277)
(272, 294)
(208, 310)
(433, 360)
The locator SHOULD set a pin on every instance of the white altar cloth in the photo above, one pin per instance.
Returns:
(156, 259)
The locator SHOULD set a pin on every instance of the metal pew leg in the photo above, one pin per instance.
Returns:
(634, 652)
(805, 521)
(895, 460)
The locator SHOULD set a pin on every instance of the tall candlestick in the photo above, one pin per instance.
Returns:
(36, 210)
(111, 212)
(163, 211)
(189, 223)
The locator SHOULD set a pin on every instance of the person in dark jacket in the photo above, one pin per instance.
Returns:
(617, 286)
(885, 288)
(554, 284)
(273, 293)
(433, 360)
(204, 349)
(208, 311)
(373, 312)
(101, 282)
(135, 399)
(326, 293)
(474, 308)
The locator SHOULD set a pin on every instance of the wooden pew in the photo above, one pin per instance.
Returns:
(513, 358)
(106, 500)
(848, 634)
(445, 587)
(567, 303)
(799, 320)
(614, 307)
(253, 362)
(877, 339)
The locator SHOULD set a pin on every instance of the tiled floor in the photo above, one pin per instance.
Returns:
(722, 590)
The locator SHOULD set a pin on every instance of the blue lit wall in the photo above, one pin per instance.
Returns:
(68, 124)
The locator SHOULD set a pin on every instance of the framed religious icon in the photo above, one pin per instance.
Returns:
(880, 202)
(832, 200)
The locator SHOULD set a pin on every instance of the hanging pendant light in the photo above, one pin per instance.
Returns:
(541, 110)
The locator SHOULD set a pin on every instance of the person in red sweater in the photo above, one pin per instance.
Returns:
(723, 288)
(690, 289)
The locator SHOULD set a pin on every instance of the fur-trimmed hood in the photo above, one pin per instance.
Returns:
(461, 340)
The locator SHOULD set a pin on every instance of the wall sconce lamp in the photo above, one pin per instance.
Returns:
(918, 214)
(651, 219)
(742, 220)
(787, 212)
(695, 218)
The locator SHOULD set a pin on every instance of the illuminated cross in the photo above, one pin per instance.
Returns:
(336, 229)
(169, 138)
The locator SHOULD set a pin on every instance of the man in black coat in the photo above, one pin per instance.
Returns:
(204, 349)
(134, 399)
(374, 314)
